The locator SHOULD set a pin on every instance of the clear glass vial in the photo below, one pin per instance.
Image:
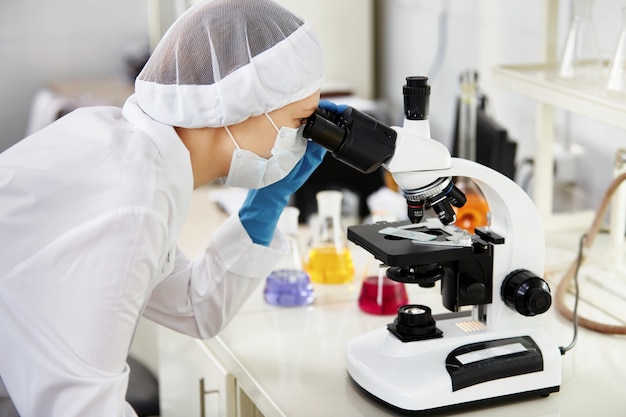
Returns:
(580, 60)
(616, 79)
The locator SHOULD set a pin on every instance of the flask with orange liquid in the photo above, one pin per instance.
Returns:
(329, 259)
(475, 212)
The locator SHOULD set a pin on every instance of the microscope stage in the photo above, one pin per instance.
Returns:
(395, 251)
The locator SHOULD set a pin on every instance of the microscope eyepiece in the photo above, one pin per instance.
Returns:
(416, 93)
(322, 128)
(353, 137)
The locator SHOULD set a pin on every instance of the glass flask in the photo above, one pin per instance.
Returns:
(616, 80)
(329, 258)
(382, 296)
(580, 60)
(288, 284)
(475, 212)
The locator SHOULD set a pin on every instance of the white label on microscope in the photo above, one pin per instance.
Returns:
(480, 355)
(407, 234)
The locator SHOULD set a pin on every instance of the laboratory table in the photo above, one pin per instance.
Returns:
(291, 361)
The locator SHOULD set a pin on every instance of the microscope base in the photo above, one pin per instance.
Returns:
(464, 407)
(460, 368)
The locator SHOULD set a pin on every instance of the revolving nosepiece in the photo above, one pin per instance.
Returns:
(440, 196)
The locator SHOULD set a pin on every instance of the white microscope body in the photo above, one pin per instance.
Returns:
(497, 351)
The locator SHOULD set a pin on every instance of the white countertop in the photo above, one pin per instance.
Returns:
(291, 361)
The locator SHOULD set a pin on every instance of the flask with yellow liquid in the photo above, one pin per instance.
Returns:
(475, 212)
(329, 258)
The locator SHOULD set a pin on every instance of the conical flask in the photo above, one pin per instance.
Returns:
(288, 284)
(329, 258)
(475, 212)
(580, 60)
(616, 80)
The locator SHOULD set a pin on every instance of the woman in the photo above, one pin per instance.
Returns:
(92, 205)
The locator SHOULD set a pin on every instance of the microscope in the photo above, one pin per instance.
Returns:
(492, 345)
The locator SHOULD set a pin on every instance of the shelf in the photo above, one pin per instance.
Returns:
(541, 83)
(575, 221)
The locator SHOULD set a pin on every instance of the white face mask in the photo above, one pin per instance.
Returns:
(249, 170)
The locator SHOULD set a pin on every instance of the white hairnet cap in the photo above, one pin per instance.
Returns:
(224, 61)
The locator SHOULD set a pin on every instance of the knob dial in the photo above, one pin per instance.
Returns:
(526, 293)
(415, 320)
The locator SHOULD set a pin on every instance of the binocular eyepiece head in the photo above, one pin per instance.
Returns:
(352, 137)
(364, 143)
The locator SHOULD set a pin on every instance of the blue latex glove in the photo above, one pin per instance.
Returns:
(260, 211)
(330, 106)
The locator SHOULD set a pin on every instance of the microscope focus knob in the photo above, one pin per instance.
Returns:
(526, 293)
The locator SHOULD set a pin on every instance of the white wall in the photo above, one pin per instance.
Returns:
(345, 29)
(45, 40)
(476, 34)
(482, 34)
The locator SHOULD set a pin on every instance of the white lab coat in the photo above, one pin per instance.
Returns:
(90, 210)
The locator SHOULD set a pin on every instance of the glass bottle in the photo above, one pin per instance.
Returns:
(288, 284)
(616, 80)
(329, 260)
(580, 60)
(475, 212)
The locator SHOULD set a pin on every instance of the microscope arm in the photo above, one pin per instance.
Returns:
(420, 161)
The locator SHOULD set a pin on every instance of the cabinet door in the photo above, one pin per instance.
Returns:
(191, 380)
(245, 406)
